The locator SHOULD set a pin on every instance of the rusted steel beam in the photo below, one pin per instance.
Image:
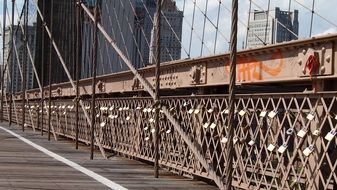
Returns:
(283, 63)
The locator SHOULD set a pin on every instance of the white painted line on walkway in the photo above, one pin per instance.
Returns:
(97, 177)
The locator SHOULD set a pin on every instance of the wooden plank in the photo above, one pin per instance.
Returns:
(24, 167)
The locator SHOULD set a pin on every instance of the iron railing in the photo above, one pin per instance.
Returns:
(281, 141)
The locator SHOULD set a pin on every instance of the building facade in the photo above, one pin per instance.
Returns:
(275, 28)
(130, 25)
(171, 33)
(15, 76)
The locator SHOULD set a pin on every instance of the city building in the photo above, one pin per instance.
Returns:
(130, 24)
(15, 77)
(170, 34)
(272, 29)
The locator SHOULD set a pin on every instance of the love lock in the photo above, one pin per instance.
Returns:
(330, 135)
(153, 130)
(224, 140)
(310, 116)
(111, 108)
(302, 133)
(206, 125)
(263, 113)
(251, 143)
(272, 114)
(242, 112)
(308, 150)
(271, 147)
(168, 131)
(282, 148)
(211, 110)
(102, 124)
(213, 125)
(225, 111)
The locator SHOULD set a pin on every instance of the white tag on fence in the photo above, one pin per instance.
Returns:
(330, 135)
(263, 113)
(282, 148)
(302, 133)
(271, 147)
(213, 125)
(272, 114)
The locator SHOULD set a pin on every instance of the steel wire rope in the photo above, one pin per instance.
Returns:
(203, 29)
(214, 25)
(245, 25)
(166, 20)
(217, 26)
(114, 35)
(315, 12)
(133, 35)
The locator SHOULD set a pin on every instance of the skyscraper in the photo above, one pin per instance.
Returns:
(19, 45)
(278, 27)
(171, 31)
(130, 24)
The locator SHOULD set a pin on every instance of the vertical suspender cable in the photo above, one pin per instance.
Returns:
(3, 60)
(248, 22)
(42, 68)
(24, 65)
(203, 29)
(266, 28)
(192, 29)
(217, 27)
(312, 16)
(157, 95)
(50, 64)
(78, 64)
(232, 89)
(93, 75)
(11, 68)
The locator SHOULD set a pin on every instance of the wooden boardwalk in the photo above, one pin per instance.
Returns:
(22, 166)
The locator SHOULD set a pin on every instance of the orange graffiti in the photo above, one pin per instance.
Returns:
(249, 69)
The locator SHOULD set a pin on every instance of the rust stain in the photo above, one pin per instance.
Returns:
(249, 69)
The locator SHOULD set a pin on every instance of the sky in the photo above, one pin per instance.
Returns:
(325, 8)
